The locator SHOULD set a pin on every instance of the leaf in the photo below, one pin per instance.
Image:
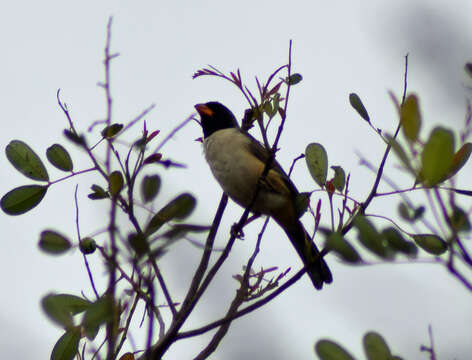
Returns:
(398, 242)
(329, 350)
(459, 220)
(66, 302)
(371, 238)
(115, 183)
(127, 356)
(25, 160)
(336, 242)
(180, 230)
(111, 131)
(178, 208)
(339, 179)
(357, 104)
(56, 311)
(96, 315)
(51, 242)
(98, 193)
(459, 159)
(430, 243)
(22, 199)
(375, 347)
(67, 346)
(317, 162)
(410, 118)
(294, 79)
(59, 157)
(437, 156)
(398, 150)
(150, 187)
(468, 69)
(75, 138)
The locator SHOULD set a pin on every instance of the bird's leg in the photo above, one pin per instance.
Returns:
(238, 233)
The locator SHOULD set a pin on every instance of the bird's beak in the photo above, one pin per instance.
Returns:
(202, 109)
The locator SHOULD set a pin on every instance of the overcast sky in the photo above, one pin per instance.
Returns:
(339, 47)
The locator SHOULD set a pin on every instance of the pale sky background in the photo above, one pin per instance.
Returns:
(339, 47)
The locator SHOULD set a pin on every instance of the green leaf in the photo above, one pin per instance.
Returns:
(329, 350)
(336, 242)
(111, 131)
(430, 243)
(25, 160)
(57, 311)
(22, 199)
(52, 242)
(67, 346)
(398, 242)
(410, 118)
(75, 138)
(437, 156)
(98, 193)
(339, 179)
(459, 220)
(59, 157)
(357, 104)
(150, 187)
(178, 231)
(87, 246)
(459, 159)
(375, 347)
(115, 183)
(398, 150)
(139, 243)
(178, 208)
(64, 303)
(96, 315)
(317, 162)
(371, 238)
(294, 79)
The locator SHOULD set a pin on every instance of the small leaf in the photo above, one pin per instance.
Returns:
(410, 118)
(152, 159)
(431, 243)
(59, 157)
(22, 199)
(317, 162)
(437, 156)
(178, 231)
(56, 310)
(51, 242)
(111, 131)
(357, 104)
(76, 139)
(87, 246)
(115, 183)
(67, 346)
(397, 242)
(150, 187)
(127, 356)
(178, 208)
(294, 79)
(96, 315)
(397, 148)
(25, 160)
(339, 179)
(371, 238)
(329, 350)
(459, 159)
(66, 302)
(98, 193)
(459, 220)
(139, 243)
(375, 347)
(341, 247)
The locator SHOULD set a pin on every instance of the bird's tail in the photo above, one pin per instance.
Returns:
(317, 269)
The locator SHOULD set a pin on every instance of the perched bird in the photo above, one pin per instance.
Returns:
(237, 161)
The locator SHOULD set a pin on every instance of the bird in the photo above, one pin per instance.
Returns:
(237, 161)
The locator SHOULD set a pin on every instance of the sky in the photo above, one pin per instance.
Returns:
(339, 48)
